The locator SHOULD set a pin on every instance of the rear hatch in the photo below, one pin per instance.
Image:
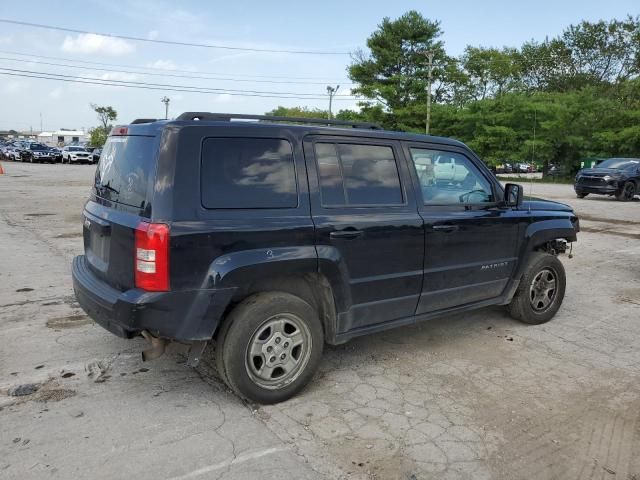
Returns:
(120, 201)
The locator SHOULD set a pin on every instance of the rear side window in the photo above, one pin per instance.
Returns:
(126, 170)
(248, 173)
(352, 174)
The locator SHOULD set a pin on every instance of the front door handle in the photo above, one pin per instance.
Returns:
(346, 234)
(446, 228)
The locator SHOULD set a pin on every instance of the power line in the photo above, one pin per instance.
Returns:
(139, 85)
(176, 75)
(169, 42)
(138, 67)
(214, 90)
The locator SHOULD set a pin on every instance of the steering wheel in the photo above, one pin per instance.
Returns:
(466, 197)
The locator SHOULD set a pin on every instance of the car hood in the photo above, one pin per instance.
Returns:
(600, 172)
(532, 203)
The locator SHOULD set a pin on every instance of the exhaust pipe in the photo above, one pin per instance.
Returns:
(158, 346)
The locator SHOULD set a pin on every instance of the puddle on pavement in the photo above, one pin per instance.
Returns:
(38, 214)
(71, 321)
(69, 235)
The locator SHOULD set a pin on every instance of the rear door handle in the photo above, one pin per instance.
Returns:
(346, 234)
(446, 228)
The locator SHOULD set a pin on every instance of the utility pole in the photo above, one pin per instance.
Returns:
(40, 122)
(331, 91)
(429, 54)
(166, 101)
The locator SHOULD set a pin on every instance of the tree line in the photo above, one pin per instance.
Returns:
(579, 92)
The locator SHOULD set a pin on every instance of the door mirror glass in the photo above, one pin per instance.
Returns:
(513, 194)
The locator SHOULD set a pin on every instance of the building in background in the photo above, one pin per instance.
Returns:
(62, 137)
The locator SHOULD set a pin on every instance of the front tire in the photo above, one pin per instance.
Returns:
(269, 347)
(627, 193)
(541, 290)
(581, 195)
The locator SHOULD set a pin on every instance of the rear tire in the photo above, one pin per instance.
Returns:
(627, 193)
(541, 290)
(581, 195)
(269, 347)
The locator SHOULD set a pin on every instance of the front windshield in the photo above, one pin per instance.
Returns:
(37, 146)
(618, 163)
(76, 149)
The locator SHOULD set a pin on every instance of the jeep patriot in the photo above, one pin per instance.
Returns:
(271, 236)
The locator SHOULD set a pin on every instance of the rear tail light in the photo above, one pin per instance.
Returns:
(117, 131)
(152, 257)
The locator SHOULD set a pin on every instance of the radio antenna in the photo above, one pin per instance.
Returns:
(533, 151)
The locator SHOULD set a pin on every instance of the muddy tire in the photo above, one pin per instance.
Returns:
(627, 192)
(269, 347)
(541, 290)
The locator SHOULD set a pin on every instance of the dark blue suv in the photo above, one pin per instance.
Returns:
(273, 236)
(619, 177)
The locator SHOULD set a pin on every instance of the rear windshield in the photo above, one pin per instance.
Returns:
(126, 170)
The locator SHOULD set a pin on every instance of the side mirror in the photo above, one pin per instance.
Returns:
(513, 194)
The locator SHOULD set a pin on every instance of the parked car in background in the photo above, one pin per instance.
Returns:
(56, 153)
(37, 153)
(14, 151)
(95, 155)
(505, 167)
(75, 154)
(619, 177)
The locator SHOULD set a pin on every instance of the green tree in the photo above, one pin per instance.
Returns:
(106, 115)
(304, 112)
(97, 137)
(394, 71)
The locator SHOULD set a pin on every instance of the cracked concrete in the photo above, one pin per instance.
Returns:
(473, 396)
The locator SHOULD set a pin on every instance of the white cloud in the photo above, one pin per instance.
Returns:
(12, 86)
(56, 92)
(92, 43)
(163, 64)
(119, 76)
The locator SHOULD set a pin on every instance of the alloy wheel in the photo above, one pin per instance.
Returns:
(278, 351)
(542, 291)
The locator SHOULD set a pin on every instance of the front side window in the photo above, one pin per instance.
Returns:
(449, 178)
(248, 173)
(359, 175)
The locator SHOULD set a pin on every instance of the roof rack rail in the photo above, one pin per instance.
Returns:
(143, 120)
(227, 117)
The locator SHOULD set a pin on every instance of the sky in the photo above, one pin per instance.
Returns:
(236, 81)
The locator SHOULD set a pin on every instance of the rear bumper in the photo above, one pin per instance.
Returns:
(183, 315)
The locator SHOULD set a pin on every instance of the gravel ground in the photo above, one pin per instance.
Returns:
(472, 396)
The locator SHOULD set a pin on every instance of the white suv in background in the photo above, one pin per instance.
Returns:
(75, 154)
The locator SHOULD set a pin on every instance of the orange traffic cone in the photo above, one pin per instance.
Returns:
(1, 170)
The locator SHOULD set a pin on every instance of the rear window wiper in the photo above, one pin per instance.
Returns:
(106, 186)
